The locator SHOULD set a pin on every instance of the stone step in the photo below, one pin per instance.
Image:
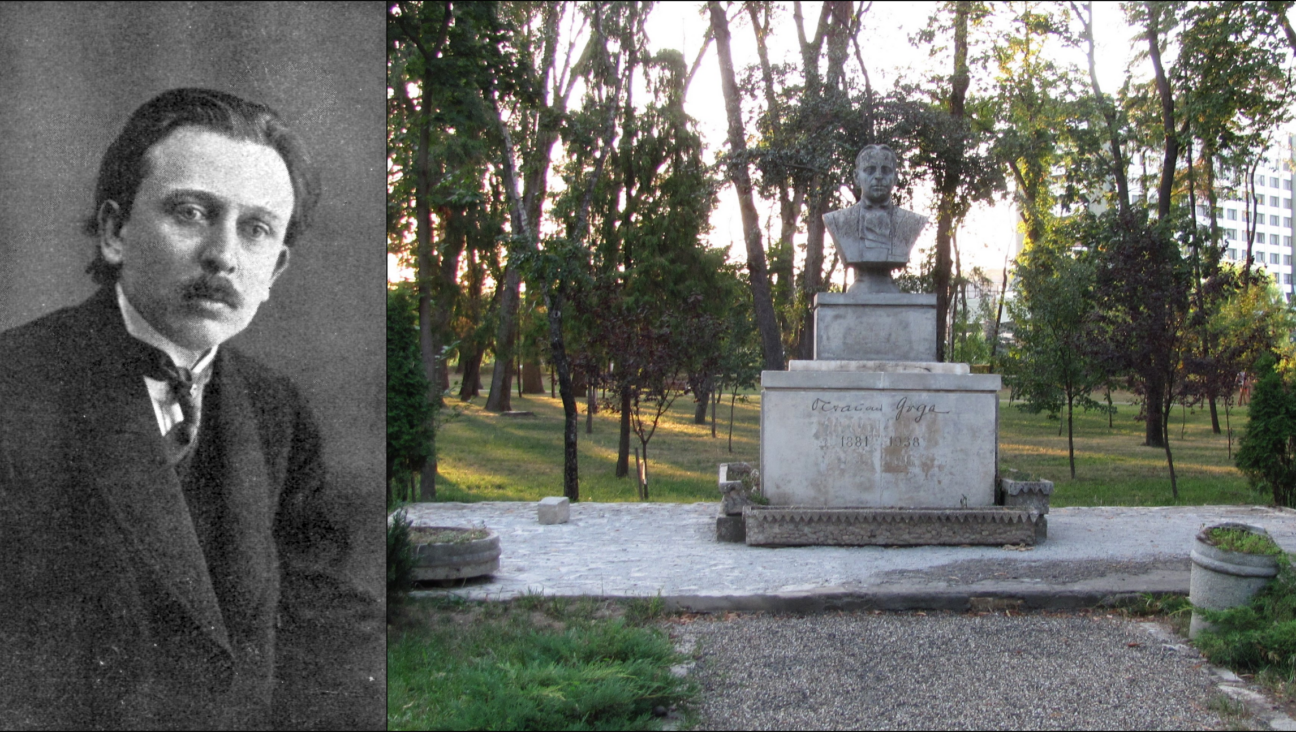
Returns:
(817, 526)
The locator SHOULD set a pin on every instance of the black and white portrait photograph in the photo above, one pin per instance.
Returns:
(192, 269)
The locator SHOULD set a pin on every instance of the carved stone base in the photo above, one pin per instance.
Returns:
(811, 526)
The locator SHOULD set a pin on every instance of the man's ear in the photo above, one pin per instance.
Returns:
(280, 264)
(110, 223)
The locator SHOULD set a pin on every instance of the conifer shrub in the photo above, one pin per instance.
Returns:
(1267, 452)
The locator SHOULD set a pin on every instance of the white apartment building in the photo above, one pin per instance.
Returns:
(1272, 247)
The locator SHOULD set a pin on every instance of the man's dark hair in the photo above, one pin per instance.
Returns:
(125, 164)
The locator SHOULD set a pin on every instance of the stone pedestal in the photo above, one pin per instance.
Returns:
(865, 326)
(899, 435)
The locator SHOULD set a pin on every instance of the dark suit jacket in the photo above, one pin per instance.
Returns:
(115, 610)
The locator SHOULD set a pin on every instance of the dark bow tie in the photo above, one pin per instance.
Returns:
(185, 388)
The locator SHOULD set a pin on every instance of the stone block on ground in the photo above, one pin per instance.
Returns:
(731, 529)
(554, 510)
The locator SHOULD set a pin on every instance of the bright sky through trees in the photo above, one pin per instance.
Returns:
(988, 232)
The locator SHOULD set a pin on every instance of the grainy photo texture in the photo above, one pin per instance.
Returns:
(191, 366)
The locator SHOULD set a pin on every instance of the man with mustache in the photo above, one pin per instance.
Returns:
(165, 560)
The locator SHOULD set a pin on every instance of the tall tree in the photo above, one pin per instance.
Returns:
(538, 127)
(766, 323)
(441, 56)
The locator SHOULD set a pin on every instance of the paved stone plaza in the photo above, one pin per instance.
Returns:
(647, 549)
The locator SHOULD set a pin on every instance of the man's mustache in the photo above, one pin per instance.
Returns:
(214, 288)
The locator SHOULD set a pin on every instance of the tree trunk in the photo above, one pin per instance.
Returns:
(1165, 438)
(732, 397)
(703, 398)
(591, 406)
(532, 380)
(951, 178)
(623, 442)
(571, 417)
(427, 481)
(499, 399)
(766, 323)
(1071, 433)
(429, 343)
(1154, 434)
(471, 360)
(1167, 116)
(1215, 425)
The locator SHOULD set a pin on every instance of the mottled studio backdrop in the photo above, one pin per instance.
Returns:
(70, 75)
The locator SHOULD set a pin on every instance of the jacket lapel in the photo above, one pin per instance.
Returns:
(246, 488)
(123, 455)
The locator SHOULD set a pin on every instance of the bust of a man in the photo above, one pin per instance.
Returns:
(874, 236)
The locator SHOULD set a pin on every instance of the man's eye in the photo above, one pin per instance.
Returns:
(190, 212)
(258, 230)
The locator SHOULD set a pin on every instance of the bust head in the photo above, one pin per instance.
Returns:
(875, 173)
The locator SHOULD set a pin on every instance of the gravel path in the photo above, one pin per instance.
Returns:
(944, 671)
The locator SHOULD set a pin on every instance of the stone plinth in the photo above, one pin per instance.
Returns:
(861, 326)
(554, 510)
(877, 439)
(807, 526)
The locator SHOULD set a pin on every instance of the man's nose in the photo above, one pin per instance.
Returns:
(220, 249)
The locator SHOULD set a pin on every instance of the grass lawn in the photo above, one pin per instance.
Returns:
(485, 457)
(532, 663)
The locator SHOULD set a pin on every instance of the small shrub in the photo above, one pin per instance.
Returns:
(400, 561)
(1258, 636)
(1267, 450)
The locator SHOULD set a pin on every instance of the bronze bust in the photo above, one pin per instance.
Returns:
(874, 236)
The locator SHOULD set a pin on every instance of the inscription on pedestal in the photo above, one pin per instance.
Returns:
(878, 447)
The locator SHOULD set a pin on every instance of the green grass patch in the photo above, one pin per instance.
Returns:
(533, 663)
(1115, 468)
(485, 457)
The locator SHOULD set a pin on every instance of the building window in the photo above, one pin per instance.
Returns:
(1287, 279)
(1231, 214)
(1232, 254)
(1287, 259)
(1286, 222)
(1273, 220)
(1273, 201)
(1230, 233)
(1287, 185)
(1273, 182)
(1273, 258)
(1287, 203)
(1287, 241)
(1273, 239)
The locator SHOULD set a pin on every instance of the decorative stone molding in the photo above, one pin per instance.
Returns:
(807, 526)
(1032, 495)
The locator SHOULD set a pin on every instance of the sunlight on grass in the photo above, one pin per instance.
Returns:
(488, 457)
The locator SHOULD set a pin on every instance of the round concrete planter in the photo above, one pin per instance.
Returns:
(454, 561)
(1222, 579)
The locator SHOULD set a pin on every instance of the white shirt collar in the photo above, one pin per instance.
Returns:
(140, 329)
